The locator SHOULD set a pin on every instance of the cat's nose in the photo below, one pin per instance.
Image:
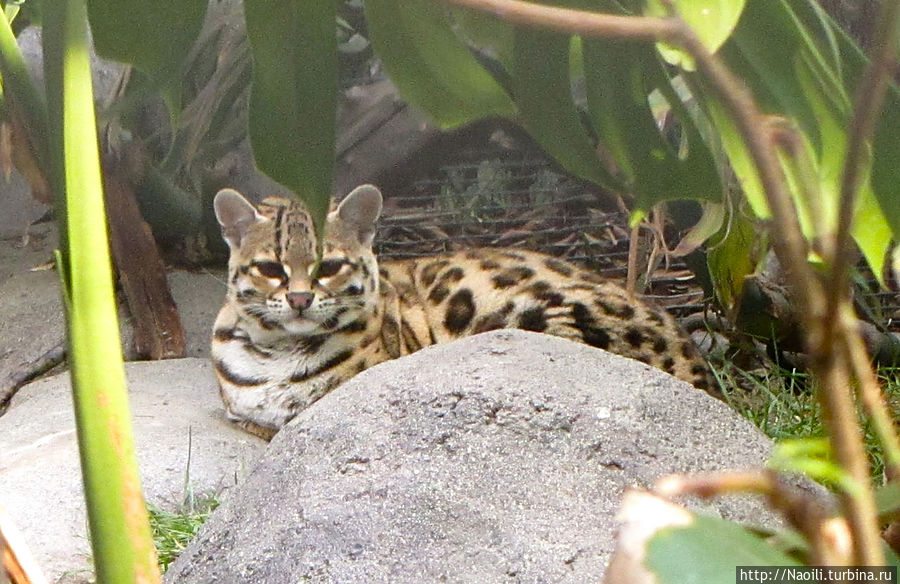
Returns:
(299, 300)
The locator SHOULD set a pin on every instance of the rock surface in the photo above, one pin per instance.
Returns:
(32, 322)
(26, 292)
(497, 458)
(174, 403)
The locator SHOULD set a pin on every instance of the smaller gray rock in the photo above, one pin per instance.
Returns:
(174, 403)
(498, 458)
(26, 292)
(32, 322)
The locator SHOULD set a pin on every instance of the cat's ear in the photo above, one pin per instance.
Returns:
(359, 211)
(235, 214)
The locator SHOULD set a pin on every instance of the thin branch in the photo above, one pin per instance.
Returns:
(638, 28)
(812, 516)
(869, 100)
(831, 367)
(871, 396)
(754, 127)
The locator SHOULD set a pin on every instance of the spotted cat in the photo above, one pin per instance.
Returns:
(291, 330)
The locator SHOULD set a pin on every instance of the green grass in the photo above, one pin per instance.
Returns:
(782, 404)
(173, 530)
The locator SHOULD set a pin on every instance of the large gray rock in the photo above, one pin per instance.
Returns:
(174, 403)
(497, 458)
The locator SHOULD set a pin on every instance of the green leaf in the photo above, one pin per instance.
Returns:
(617, 99)
(707, 551)
(120, 533)
(763, 51)
(430, 65)
(619, 77)
(887, 499)
(733, 256)
(872, 226)
(872, 232)
(153, 36)
(293, 96)
(829, 162)
(812, 457)
(711, 220)
(885, 174)
(831, 107)
(713, 23)
(541, 86)
(733, 143)
(491, 35)
(792, 75)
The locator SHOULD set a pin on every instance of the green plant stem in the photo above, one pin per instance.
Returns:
(21, 94)
(569, 21)
(870, 95)
(806, 514)
(871, 396)
(868, 104)
(120, 534)
(831, 367)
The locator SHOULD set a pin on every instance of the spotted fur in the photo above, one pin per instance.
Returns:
(291, 330)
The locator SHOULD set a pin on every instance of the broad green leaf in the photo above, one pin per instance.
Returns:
(832, 116)
(738, 155)
(812, 457)
(712, 21)
(541, 87)
(870, 229)
(821, 31)
(763, 52)
(710, 223)
(874, 222)
(733, 256)
(430, 65)
(887, 499)
(789, 75)
(293, 96)
(617, 101)
(618, 78)
(153, 36)
(871, 232)
(885, 172)
(696, 176)
(707, 551)
(123, 550)
(491, 35)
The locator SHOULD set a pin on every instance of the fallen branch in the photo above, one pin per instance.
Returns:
(21, 375)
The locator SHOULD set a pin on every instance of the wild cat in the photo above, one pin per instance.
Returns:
(292, 329)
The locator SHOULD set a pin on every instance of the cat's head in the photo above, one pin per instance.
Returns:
(273, 277)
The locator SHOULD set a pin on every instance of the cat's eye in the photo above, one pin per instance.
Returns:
(328, 268)
(270, 269)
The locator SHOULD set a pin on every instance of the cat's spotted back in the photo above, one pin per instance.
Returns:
(290, 331)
